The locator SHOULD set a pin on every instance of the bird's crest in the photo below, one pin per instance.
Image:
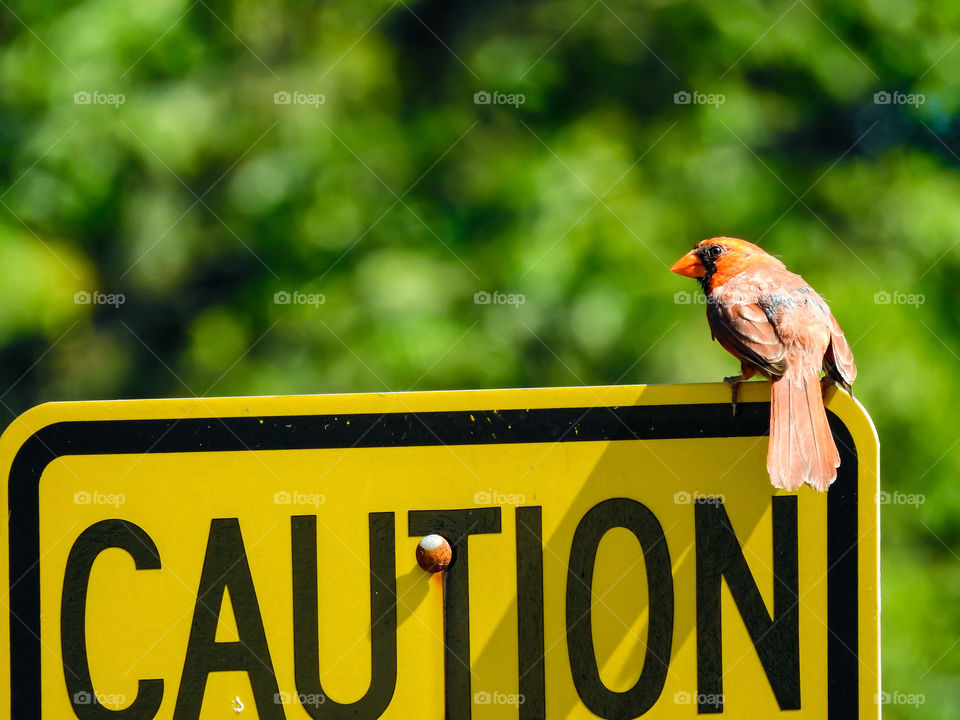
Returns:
(734, 245)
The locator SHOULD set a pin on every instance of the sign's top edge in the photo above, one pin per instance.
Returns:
(850, 410)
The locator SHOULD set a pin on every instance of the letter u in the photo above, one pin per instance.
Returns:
(383, 620)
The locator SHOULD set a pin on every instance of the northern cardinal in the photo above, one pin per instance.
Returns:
(778, 326)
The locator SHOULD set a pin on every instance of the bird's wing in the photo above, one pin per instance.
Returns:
(746, 332)
(838, 359)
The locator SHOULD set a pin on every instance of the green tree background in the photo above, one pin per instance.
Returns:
(202, 194)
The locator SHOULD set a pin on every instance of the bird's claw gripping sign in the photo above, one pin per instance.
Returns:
(618, 552)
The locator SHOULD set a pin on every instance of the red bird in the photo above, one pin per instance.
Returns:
(778, 326)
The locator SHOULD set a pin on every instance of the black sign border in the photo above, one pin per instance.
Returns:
(404, 429)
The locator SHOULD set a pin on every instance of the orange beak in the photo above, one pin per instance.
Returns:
(690, 266)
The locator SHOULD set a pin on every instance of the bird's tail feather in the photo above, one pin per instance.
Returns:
(801, 449)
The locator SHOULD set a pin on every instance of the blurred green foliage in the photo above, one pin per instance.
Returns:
(398, 198)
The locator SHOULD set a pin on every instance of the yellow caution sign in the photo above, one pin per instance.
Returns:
(618, 552)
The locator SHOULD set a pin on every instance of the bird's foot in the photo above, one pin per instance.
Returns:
(734, 382)
(827, 382)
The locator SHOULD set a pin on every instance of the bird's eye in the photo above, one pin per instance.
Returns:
(715, 251)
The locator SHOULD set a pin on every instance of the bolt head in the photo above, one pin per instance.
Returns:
(434, 553)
